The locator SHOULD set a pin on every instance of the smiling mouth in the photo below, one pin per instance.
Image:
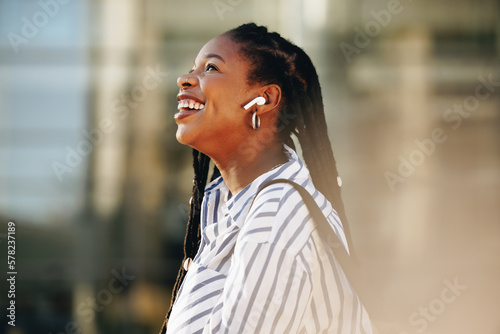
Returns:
(190, 105)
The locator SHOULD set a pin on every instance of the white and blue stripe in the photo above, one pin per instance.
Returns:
(265, 269)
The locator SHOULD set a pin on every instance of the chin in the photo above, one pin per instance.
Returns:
(182, 137)
(186, 137)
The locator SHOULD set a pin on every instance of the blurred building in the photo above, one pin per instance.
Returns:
(92, 175)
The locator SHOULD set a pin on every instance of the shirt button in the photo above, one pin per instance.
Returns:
(187, 263)
(339, 181)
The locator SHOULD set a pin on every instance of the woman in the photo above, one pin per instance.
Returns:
(259, 266)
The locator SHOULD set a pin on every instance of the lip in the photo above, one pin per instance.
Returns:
(183, 113)
(186, 96)
(186, 112)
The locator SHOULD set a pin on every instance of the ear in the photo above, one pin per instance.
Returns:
(272, 94)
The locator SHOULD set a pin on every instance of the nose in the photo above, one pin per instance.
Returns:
(186, 81)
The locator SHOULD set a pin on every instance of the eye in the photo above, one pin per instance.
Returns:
(191, 71)
(211, 67)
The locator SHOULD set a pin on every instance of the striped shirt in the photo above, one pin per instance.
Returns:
(264, 269)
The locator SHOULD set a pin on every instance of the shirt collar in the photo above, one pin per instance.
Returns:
(239, 204)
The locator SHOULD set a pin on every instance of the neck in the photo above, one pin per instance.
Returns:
(240, 169)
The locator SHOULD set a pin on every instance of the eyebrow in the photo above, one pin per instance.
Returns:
(214, 55)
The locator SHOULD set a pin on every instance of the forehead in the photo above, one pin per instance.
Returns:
(222, 46)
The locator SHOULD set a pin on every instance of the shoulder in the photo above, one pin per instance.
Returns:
(279, 216)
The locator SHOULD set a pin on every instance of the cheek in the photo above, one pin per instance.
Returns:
(226, 95)
(225, 90)
(228, 106)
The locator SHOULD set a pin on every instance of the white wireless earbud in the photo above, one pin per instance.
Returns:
(259, 100)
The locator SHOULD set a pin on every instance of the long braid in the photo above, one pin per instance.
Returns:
(201, 163)
(317, 149)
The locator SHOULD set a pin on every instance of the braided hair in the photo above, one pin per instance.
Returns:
(275, 60)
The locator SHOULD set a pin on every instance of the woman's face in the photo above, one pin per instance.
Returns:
(210, 114)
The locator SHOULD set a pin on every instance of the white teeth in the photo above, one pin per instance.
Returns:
(191, 104)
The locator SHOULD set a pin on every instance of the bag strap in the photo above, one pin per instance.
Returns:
(328, 235)
(349, 266)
